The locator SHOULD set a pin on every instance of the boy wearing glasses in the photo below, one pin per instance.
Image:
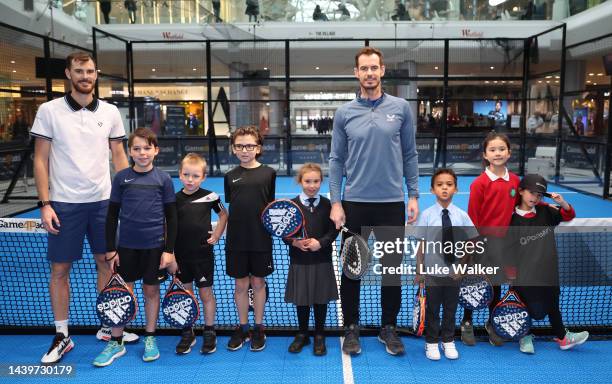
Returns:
(249, 187)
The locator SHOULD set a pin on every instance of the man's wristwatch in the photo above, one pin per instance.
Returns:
(42, 203)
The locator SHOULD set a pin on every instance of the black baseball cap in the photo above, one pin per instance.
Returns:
(534, 183)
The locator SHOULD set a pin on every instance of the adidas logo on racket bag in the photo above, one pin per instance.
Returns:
(475, 292)
(180, 307)
(116, 304)
(510, 317)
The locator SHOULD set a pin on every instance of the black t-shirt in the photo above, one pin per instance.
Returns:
(533, 242)
(248, 191)
(194, 223)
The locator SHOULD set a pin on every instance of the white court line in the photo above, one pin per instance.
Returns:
(347, 365)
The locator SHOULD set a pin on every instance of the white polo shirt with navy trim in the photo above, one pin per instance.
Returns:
(79, 171)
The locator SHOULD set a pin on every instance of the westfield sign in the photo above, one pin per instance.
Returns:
(172, 36)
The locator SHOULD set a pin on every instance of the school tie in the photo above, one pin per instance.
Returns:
(447, 235)
(311, 201)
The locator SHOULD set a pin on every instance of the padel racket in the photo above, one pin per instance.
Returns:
(475, 292)
(510, 318)
(418, 312)
(180, 307)
(283, 218)
(116, 304)
(250, 292)
(356, 255)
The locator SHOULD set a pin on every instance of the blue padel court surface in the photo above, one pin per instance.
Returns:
(483, 363)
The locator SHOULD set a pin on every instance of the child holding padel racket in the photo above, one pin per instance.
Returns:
(194, 245)
(492, 200)
(142, 197)
(311, 280)
(249, 187)
(533, 240)
(436, 224)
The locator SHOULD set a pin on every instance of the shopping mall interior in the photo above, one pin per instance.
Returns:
(193, 71)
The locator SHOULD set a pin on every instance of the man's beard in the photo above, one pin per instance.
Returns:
(375, 84)
(80, 89)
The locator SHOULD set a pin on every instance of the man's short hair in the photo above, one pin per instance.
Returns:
(369, 51)
(79, 56)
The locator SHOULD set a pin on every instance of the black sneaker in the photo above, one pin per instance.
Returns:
(467, 333)
(209, 342)
(238, 339)
(61, 345)
(319, 348)
(494, 338)
(258, 339)
(187, 341)
(393, 344)
(351, 345)
(299, 342)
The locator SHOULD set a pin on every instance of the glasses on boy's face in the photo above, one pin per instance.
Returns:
(248, 147)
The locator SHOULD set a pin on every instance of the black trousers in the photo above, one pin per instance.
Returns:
(105, 7)
(362, 218)
(440, 291)
(542, 302)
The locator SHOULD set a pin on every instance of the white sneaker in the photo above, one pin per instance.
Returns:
(450, 352)
(431, 351)
(104, 334)
(60, 346)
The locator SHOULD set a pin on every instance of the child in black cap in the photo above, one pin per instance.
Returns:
(533, 241)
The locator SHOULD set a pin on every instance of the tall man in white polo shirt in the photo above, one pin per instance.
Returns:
(73, 135)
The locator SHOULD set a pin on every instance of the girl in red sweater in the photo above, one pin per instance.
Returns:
(492, 200)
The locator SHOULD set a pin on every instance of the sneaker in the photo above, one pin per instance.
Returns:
(494, 338)
(319, 348)
(151, 352)
(209, 342)
(431, 351)
(258, 339)
(238, 339)
(467, 333)
(112, 351)
(450, 352)
(187, 341)
(572, 339)
(393, 344)
(104, 334)
(299, 342)
(351, 345)
(61, 345)
(526, 345)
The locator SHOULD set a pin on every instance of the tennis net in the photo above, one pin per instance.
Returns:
(585, 259)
